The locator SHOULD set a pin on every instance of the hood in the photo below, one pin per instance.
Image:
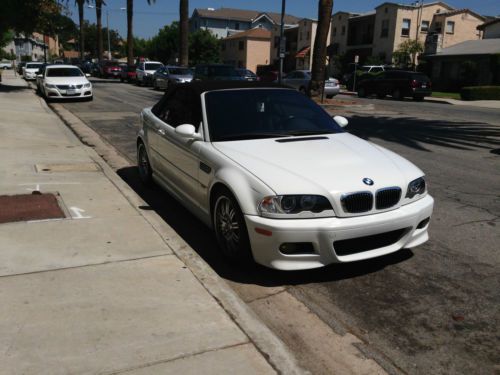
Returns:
(330, 164)
(182, 77)
(66, 80)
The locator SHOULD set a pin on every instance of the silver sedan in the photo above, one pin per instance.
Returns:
(300, 80)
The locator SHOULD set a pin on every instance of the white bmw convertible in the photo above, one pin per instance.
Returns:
(278, 179)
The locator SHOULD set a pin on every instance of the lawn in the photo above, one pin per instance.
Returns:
(446, 95)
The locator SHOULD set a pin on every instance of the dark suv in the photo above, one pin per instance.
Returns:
(218, 72)
(397, 83)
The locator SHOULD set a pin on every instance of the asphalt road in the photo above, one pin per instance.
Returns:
(429, 310)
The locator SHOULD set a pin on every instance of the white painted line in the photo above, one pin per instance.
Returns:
(77, 213)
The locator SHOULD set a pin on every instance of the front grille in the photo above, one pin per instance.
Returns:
(387, 198)
(75, 94)
(357, 202)
(360, 244)
(68, 87)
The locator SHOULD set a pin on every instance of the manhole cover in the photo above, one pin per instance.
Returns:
(29, 207)
(76, 167)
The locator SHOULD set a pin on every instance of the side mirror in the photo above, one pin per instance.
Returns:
(341, 121)
(187, 131)
(87, 75)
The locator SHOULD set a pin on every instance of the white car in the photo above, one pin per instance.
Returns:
(30, 70)
(5, 64)
(145, 71)
(64, 82)
(277, 178)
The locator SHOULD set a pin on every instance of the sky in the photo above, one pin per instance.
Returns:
(148, 19)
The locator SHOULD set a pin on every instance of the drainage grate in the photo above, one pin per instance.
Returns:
(29, 207)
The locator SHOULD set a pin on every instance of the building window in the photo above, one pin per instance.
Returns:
(241, 45)
(450, 27)
(424, 27)
(386, 10)
(438, 27)
(405, 30)
(343, 30)
(384, 32)
(334, 31)
(237, 26)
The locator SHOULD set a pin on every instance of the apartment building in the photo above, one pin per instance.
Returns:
(247, 49)
(34, 46)
(380, 32)
(224, 22)
(490, 29)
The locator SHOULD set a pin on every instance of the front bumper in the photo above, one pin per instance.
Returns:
(29, 76)
(64, 94)
(323, 232)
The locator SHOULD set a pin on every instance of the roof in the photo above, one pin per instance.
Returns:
(303, 52)
(417, 6)
(472, 47)
(243, 15)
(488, 23)
(61, 66)
(256, 33)
(458, 11)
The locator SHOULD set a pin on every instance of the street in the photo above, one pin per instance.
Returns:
(432, 309)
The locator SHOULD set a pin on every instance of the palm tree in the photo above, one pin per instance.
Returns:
(319, 50)
(130, 34)
(81, 5)
(98, 13)
(183, 32)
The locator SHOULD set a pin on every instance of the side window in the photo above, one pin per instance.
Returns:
(183, 109)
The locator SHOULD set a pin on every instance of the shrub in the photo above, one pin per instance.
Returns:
(480, 93)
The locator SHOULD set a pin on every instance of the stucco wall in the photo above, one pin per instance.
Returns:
(339, 20)
(257, 53)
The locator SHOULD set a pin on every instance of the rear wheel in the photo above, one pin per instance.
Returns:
(145, 171)
(230, 228)
(396, 94)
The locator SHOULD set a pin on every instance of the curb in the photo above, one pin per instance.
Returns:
(266, 342)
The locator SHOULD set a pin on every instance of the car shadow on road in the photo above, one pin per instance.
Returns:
(202, 240)
(9, 88)
(419, 133)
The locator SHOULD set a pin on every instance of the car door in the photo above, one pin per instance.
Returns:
(178, 157)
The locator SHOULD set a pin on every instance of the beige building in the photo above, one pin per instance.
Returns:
(247, 49)
(380, 32)
(490, 29)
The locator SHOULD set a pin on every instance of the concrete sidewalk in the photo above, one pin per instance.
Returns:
(101, 291)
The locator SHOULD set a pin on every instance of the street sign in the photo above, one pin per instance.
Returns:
(356, 59)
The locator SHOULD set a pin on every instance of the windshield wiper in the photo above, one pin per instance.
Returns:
(310, 132)
(236, 137)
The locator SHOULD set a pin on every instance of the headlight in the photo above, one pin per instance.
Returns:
(416, 187)
(49, 86)
(280, 205)
(87, 85)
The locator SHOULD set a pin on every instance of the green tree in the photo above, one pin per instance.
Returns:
(26, 16)
(184, 32)
(204, 47)
(91, 37)
(409, 49)
(130, 33)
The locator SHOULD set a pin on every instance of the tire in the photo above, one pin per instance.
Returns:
(380, 96)
(230, 228)
(396, 94)
(361, 92)
(145, 170)
(330, 96)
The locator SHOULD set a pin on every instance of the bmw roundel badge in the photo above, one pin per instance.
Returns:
(368, 181)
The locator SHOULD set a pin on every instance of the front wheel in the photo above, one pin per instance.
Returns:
(145, 170)
(230, 228)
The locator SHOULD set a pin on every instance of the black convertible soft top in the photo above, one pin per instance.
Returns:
(190, 94)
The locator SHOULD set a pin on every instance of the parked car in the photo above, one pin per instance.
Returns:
(109, 69)
(128, 73)
(5, 64)
(268, 76)
(39, 77)
(277, 178)
(171, 74)
(247, 74)
(145, 71)
(31, 70)
(301, 79)
(65, 82)
(216, 72)
(398, 84)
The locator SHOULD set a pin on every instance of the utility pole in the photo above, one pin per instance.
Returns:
(282, 45)
(109, 40)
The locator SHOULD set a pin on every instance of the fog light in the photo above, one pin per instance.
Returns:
(423, 223)
(297, 248)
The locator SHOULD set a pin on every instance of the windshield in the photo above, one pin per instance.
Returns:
(152, 66)
(179, 71)
(33, 66)
(64, 72)
(264, 113)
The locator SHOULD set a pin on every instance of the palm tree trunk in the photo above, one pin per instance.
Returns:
(98, 14)
(183, 32)
(82, 35)
(319, 51)
(130, 35)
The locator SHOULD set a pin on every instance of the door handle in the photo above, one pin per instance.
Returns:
(161, 132)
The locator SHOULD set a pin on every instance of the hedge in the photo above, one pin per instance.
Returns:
(480, 93)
